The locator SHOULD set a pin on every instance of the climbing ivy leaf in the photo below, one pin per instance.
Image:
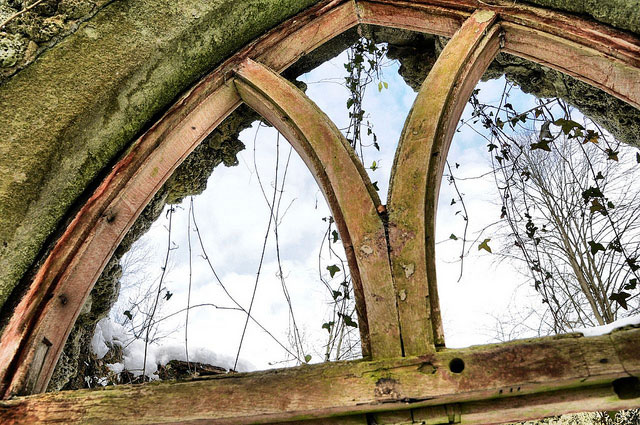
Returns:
(485, 245)
(542, 144)
(328, 326)
(335, 236)
(454, 237)
(595, 247)
(631, 285)
(592, 192)
(348, 320)
(620, 298)
(128, 314)
(307, 358)
(333, 269)
(568, 125)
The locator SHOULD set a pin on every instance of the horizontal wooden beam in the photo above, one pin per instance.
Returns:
(526, 378)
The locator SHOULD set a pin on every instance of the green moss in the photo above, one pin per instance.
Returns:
(624, 14)
(70, 114)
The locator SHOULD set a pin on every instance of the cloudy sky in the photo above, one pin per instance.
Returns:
(232, 216)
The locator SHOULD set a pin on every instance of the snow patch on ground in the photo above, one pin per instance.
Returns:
(605, 329)
(110, 332)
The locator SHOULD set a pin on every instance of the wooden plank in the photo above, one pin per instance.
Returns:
(349, 193)
(418, 166)
(527, 407)
(425, 18)
(518, 378)
(329, 23)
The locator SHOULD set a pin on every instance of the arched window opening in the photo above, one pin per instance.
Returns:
(538, 225)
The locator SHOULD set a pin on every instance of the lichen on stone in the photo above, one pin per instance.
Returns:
(37, 29)
(12, 48)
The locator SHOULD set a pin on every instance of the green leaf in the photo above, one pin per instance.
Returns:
(611, 154)
(386, 86)
(620, 298)
(542, 144)
(128, 314)
(632, 284)
(380, 86)
(168, 296)
(336, 294)
(454, 237)
(375, 186)
(567, 125)
(596, 206)
(348, 320)
(453, 201)
(349, 103)
(335, 236)
(307, 358)
(333, 269)
(592, 192)
(595, 247)
(485, 245)
(328, 326)
(592, 137)
(374, 166)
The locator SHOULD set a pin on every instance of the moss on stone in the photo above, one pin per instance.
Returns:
(619, 118)
(623, 14)
(69, 115)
